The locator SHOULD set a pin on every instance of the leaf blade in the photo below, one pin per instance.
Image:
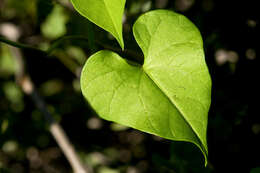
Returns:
(170, 93)
(142, 88)
(106, 14)
(178, 56)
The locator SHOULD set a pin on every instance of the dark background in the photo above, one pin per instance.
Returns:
(229, 30)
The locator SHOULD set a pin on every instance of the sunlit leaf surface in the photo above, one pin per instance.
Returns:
(169, 95)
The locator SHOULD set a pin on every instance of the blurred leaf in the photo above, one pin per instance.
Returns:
(106, 14)
(135, 7)
(95, 159)
(4, 125)
(14, 95)
(20, 8)
(10, 146)
(164, 95)
(146, 6)
(77, 53)
(107, 170)
(7, 63)
(51, 87)
(76, 85)
(55, 24)
(12, 92)
(256, 128)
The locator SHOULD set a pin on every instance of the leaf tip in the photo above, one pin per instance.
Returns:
(120, 41)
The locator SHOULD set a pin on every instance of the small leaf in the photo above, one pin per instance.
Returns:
(107, 14)
(169, 95)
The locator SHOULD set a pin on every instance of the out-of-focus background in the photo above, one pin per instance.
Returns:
(229, 29)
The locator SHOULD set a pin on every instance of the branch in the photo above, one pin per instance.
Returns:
(24, 81)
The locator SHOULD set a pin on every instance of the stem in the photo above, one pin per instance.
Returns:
(56, 44)
(18, 45)
(127, 52)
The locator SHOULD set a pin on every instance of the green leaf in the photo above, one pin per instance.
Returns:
(169, 95)
(107, 14)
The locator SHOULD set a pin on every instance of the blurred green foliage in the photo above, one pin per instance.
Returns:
(229, 30)
(54, 25)
(7, 63)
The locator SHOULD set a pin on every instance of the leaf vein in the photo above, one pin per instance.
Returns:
(142, 102)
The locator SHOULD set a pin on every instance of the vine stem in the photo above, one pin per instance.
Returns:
(27, 86)
(59, 41)
(18, 45)
(136, 56)
(128, 52)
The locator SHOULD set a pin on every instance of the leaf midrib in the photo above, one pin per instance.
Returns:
(162, 90)
(141, 100)
(175, 105)
(114, 26)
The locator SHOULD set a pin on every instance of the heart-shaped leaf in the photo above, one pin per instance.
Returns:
(107, 14)
(169, 95)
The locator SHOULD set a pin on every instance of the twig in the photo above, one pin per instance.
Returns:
(56, 130)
